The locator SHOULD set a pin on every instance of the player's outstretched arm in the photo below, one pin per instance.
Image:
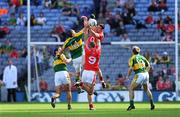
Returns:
(85, 28)
(61, 50)
(85, 20)
(85, 23)
(66, 60)
(94, 33)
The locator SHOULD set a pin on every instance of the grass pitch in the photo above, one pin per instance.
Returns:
(81, 110)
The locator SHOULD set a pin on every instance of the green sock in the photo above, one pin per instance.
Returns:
(77, 79)
(131, 103)
(151, 102)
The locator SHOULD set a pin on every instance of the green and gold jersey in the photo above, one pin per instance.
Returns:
(138, 63)
(59, 64)
(75, 45)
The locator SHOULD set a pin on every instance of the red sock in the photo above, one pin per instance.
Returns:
(81, 84)
(101, 78)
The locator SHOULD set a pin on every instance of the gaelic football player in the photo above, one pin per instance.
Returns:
(140, 66)
(96, 35)
(91, 66)
(62, 78)
(75, 45)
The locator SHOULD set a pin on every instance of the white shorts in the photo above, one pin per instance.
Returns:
(61, 77)
(141, 78)
(77, 63)
(89, 77)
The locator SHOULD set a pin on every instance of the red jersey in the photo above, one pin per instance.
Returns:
(94, 39)
(92, 57)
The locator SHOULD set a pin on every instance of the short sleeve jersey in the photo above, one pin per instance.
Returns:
(75, 45)
(138, 63)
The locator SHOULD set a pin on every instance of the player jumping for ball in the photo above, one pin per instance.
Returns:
(75, 45)
(96, 35)
(140, 66)
(91, 67)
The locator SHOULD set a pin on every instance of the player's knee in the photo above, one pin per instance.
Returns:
(131, 88)
(69, 94)
(77, 73)
(145, 89)
(69, 97)
(90, 92)
(68, 88)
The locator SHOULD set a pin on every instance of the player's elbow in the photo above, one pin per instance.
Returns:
(129, 69)
(67, 61)
(97, 35)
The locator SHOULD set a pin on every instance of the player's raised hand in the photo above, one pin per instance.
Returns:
(84, 17)
(85, 21)
(60, 50)
(86, 24)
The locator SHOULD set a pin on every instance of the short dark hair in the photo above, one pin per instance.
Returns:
(101, 25)
(69, 33)
(136, 50)
(55, 50)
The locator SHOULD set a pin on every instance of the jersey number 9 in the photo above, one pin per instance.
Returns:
(92, 60)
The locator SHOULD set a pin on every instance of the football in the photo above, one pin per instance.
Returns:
(92, 22)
